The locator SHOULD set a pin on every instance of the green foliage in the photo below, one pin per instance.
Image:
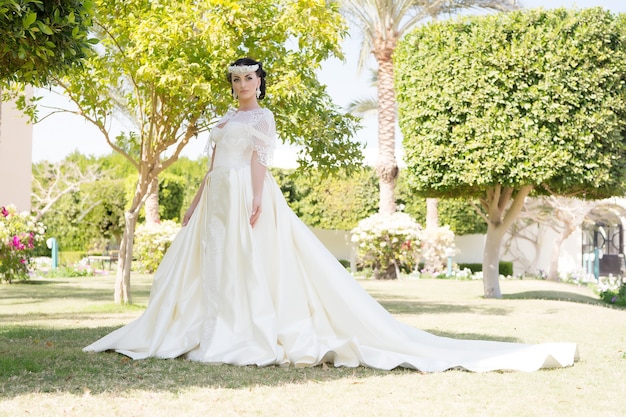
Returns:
(89, 218)
(103, 218)
(151, 243)
(39, 38)
(458, 213)
(340, 201)
(615, 296)
(193, 172)
(164, 63)
(330, 202)
(471, 266)
(18, 234)
(68, 271)
(115, 165)
(461, 216)
(63, 223)
(92, 218)
(612, 290)
(92, 215)
(69, 258)
(504, 268)
(171, 196)
(524, 98)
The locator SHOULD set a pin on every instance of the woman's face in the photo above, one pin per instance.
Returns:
(245, 85)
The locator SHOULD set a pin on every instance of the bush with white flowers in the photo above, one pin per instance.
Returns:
(388, 243)
(152, 241)
(438, 242)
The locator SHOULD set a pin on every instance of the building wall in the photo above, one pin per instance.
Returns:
(16, 138)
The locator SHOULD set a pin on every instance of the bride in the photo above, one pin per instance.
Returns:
(245, 282)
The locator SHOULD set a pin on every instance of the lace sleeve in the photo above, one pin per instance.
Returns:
(264, 137)
(209, 147)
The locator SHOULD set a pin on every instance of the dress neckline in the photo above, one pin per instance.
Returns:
(248, 111)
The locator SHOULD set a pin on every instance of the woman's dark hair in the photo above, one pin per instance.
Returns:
(260, 72)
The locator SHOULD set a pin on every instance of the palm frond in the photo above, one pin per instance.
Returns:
(385, 19)
(360, 107)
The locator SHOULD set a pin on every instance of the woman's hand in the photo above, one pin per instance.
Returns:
(256, 210)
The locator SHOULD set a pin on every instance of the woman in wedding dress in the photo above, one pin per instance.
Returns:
(245, 282)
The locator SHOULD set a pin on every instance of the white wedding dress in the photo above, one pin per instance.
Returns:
(274, 295)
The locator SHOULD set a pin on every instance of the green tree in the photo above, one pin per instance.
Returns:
(339, 202)
(193, 172)
(42, 38)
(458, 213)
(382, 24)
(171, 196)
(164, 63)
(39, 39)
(332, 202)
(81, 200)
(497, 107)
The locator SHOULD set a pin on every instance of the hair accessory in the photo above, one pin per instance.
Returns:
(242, 69)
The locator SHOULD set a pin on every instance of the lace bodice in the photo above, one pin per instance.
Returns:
(239, 133)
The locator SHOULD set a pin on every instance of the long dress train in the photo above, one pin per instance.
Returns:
(274, 295)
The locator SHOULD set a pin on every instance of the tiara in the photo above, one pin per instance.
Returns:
(242, 69)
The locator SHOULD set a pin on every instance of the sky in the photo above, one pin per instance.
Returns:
(61, 134)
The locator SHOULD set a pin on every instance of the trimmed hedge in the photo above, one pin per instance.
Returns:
(504, 268)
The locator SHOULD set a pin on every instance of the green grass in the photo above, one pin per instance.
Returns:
(43, 371)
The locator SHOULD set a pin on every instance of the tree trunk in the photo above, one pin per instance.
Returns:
(432, 213)
(386, 272)
(498, 199)
(152, 203)
(122, 293)
(122, 280)
(568, 229)
(431, 264)
(553, 269)
(386, 166)
(491, 261)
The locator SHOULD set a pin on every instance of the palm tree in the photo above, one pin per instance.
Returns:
(383, 23)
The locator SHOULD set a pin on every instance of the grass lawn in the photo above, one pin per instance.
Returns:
(45, 323)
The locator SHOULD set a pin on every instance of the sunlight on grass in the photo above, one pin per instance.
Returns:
(45, 324)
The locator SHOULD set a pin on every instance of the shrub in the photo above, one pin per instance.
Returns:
(18, 234)
(612, 290)
(388, 243)
(437, 242)
(152, 241)
(504, 268)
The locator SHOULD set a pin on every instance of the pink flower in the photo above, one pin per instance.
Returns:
(17, 243)
(5, 212)
(23, 261)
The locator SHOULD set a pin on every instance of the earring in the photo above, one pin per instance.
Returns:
(258, 92)
(235, 95)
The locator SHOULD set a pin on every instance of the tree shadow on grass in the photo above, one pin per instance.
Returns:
(429, 307)
(37, 291)
(555, 296)
(47, 360)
